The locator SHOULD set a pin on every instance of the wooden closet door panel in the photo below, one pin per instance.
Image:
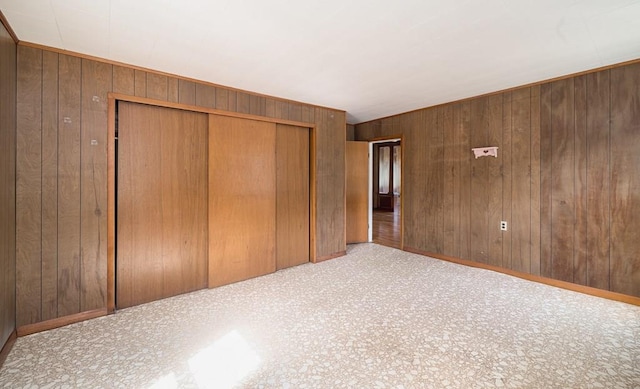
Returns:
(357, 192)
(242, 199)
(161, 203)
(292, 199)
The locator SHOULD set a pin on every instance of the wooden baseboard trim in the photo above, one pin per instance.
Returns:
(4, 352)
(29, 329)
(535, 278)
(321, 258)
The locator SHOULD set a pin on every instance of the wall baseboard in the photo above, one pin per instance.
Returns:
(321, 258)
(531, 277)
(29, 329)
(4, 352)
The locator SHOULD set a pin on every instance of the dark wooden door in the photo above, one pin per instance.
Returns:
(161, 203)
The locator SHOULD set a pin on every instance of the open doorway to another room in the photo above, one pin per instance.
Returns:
(386, 188)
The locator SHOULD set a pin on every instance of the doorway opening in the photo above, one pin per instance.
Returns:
(385, 204)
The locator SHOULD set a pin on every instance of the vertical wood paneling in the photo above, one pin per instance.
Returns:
(598, 179)
(546, 167)
(330, 165)
(140, 79)
(625, 181)
(434, 181)
(243, 103)
(49, 185)
(480, 181)
(295, 112)
(535, 180)
(222, 99)
(451, 175)
(60, 246)
(96, 83)
(232, 100)
(157, 86)
(205, 96)
(308, 114)
(28, 186)
(580, 181)
(506, 157)
(563, 196)
(292, 196)
(258, 105)
(69, 195)
(124, 80)
(520, 188)
(7, 185)
(186, 92)
(415, 181)
(564, 178)
(173, 90)
(494, 204)
(463, 124)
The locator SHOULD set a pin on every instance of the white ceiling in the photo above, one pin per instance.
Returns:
(372, 58)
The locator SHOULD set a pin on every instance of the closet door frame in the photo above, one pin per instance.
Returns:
(113, 98)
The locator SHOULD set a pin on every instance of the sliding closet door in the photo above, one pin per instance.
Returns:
(161, 203)
(242, 199)
(292, 200)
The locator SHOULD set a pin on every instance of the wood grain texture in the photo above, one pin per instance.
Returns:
(563, 198)
(96, 84)
(546, 167)
(49, 185)
(69, 182)
(242, 199)
(186, 92)
(520, 181)
(580, 250)
(535, 180)
(598, 180)
(357, 188)
(330, 165)
(8, 98)
(205, 96)
(123, 80)
(566, 173)
(434, 181)
(28, 186)
(173, 90)
(292, 196)
(415, 190)
(157, 86)
(222, 99)
(625, 182)
(451, 182)
(480, 181)
(462, 121)
(53, 95)
(140, 85)
(162, 203)
(243, 102)
(505, 152)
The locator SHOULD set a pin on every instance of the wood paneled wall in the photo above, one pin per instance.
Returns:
(7, 185)
(62, 172)
(565, 178)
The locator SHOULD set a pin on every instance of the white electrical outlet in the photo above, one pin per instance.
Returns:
(503, 225)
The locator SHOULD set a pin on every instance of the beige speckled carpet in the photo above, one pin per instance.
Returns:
(377, 318)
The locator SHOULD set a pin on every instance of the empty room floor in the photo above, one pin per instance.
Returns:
(376, 318)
